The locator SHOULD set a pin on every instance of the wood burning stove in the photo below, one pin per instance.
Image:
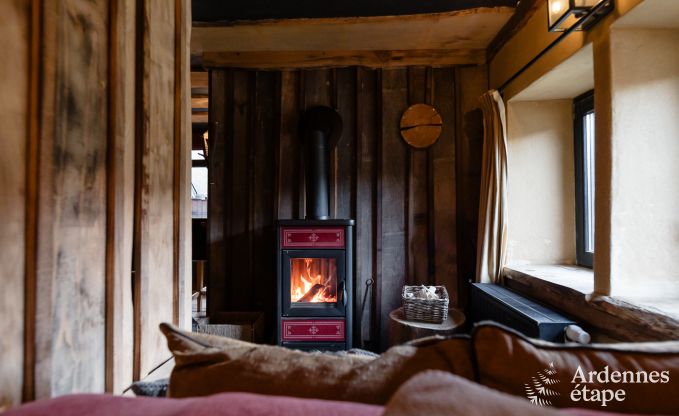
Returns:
(315, 284)
(315, 254)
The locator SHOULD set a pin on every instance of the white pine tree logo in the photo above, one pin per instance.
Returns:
(538, 390)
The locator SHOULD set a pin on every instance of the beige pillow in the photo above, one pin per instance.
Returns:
(644, 376)
(208, 364)
(435, 393)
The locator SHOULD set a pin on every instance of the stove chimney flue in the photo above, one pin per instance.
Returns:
(320, 129)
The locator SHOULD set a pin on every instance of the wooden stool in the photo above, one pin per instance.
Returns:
(401, 330)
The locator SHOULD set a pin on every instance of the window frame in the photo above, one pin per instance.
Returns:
(582, 105)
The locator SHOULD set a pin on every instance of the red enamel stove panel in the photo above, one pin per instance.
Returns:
(314, 330)
(312, 237)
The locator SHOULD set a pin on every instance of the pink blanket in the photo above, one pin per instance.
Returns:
(225, 404)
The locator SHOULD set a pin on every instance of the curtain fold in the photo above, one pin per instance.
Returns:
(492, 230)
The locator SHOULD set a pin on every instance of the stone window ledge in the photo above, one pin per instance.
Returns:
(570, 289)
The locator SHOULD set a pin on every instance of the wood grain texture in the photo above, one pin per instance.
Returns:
(419, 250)
(524, 11)
(343, 155)
(156, 249)
(401, 330)
(71, 250)
(443, 182)
(199, 103)
(14, 106)
(70, 109)
(471, 82)
(330, 58)
(366, 125)
(120, 197)
(182, 193)
(458, 30)
(199, 79)
(221, 84)
(420, 125)
(391, 190)
(289, 146)
(32, 171)
(240, 175)
(393, 211)
(264, 142)
(602, 314)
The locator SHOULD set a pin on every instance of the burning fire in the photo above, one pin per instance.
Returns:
(313, 280)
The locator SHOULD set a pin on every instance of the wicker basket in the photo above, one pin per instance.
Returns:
(433, 311)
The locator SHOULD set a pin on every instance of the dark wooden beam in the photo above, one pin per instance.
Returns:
(471, 29)
(524, 11)
(326, 59)
(229, 11)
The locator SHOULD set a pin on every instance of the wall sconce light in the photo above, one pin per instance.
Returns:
(564, 14)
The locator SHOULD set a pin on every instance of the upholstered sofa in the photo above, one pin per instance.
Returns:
(493, 371)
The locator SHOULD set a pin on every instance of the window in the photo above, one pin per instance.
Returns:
(583, 111)
(198, 185)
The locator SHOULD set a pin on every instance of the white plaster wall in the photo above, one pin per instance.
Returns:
(541, 184)
(645, 172)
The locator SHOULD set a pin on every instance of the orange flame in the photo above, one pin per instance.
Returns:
(313, 280)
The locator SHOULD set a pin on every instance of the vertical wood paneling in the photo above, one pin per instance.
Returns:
(366, 115)
(317, 90)
(417, 219)
(289, 146)
(156, 249)
(71, 251)
(472, 82)
(14, 102)
(343, 155)
(182, 194)
(443, 178)
(403, 200)
(264, 141)
(220, 84)
(120, 198)
(393, 195)
(68, 184)
(32, 172)
(240, 238)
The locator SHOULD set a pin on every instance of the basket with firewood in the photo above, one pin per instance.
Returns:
(425, 303)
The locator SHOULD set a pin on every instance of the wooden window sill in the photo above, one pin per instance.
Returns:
(570, 289)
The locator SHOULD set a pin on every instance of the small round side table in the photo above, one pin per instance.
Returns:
(401, 330)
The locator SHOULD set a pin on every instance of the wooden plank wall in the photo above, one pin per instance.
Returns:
(14, 104)
(154, 278)
(75, 79)
(469, 148)
(120, 202)
(405, 201)
(71, 222)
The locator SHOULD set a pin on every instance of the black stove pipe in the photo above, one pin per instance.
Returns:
(320, 128)
(316, 176)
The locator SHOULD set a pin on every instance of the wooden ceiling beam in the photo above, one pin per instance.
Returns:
(198, 118)
(199, 102)
(275, 60)
(199, 79)
(524, 11)
(469, 29)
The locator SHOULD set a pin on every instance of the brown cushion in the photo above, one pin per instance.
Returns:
(545, 372)
(208, 364)
(435, 393)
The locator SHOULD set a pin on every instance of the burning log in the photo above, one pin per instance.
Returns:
(309, 296)
(328, 292)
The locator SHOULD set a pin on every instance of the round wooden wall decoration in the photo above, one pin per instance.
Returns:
(421, 125)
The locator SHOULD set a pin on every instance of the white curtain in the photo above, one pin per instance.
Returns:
(492, 231)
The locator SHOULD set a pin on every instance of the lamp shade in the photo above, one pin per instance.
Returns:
(563, 14)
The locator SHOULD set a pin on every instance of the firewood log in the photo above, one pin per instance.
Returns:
(308, 296)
